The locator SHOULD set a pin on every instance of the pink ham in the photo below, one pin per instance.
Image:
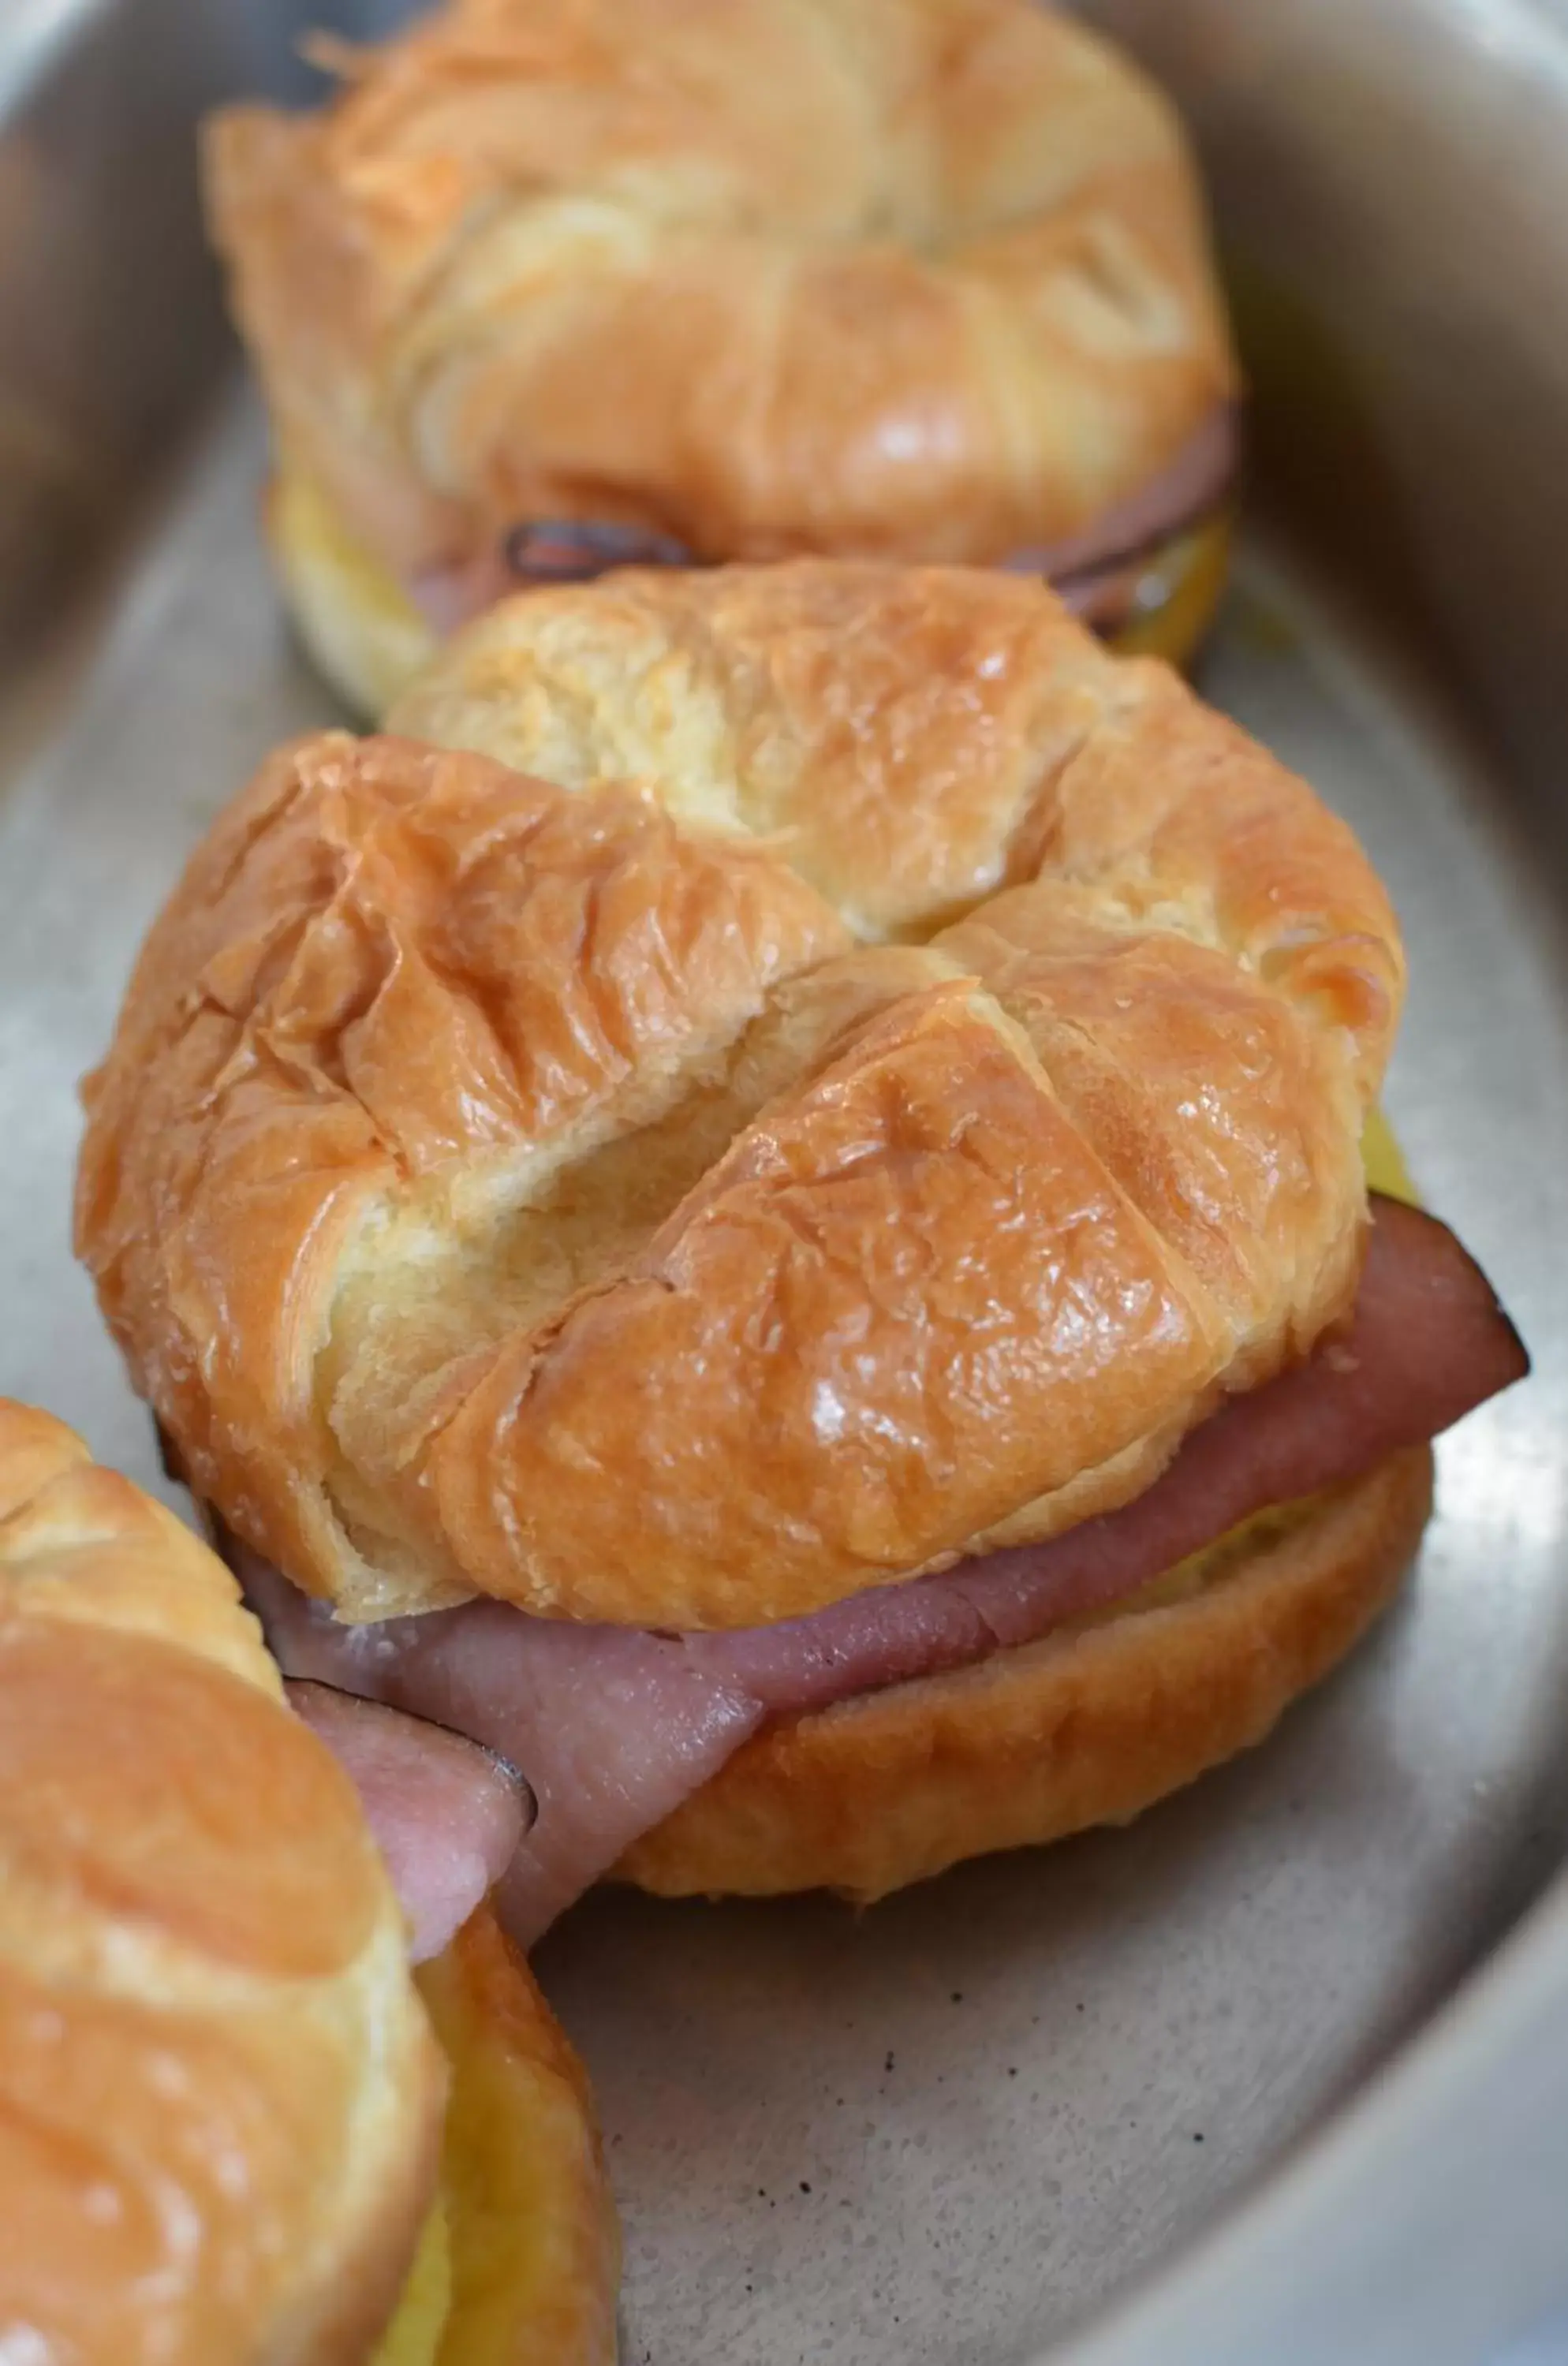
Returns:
(448, 1816)
(615, 1726)
(540, 551)
(1090, 569)
(449, 597)
(1187, 488)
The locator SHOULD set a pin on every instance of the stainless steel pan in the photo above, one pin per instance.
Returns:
(1265, 2078)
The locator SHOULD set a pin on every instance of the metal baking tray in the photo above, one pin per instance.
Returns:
(1281, 2072)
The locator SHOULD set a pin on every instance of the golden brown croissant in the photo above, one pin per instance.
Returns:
(509, 1188)
(903, 278)
(220, 2099)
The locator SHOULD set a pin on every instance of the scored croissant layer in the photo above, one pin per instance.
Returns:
(540, 1192)
(219, 2095)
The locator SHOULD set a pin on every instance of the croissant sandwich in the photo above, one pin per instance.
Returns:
(226, 2110)
(762, 1208)
(553, 285)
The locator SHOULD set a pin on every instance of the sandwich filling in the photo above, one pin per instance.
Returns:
(1096, 571)
(1145, 574)
(617, 1726)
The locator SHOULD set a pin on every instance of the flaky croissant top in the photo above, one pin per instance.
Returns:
(879, 1131)
(918, 278)
(218, 2092)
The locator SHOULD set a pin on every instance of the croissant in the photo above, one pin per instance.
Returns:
(223, 2115)
(219, 2100)
(538, 1191)
(553, 284)
(856, 1170)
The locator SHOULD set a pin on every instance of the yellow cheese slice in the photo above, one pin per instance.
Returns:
(1177, 595)
(355, 619)
(1384, 1162)
(520, 2260)
(413, 2337)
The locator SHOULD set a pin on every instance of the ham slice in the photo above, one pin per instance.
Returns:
(538, 552)
(1093, 568)
(448, 1817)
(615, 1727)
(1188, 489)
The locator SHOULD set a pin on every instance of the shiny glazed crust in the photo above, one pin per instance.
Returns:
(1090, 1727)
(535, 1191)
(906, 279)
(218, 2094)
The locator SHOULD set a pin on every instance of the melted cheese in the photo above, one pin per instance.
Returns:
(1176, 596)
(355, 619)
(1384, 1163)
(517, 2264)
(413, 2337)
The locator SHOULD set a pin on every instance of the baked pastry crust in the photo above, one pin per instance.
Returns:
(512, 1188)
(219, 2095)
(905, 278)
(1091, 1726)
